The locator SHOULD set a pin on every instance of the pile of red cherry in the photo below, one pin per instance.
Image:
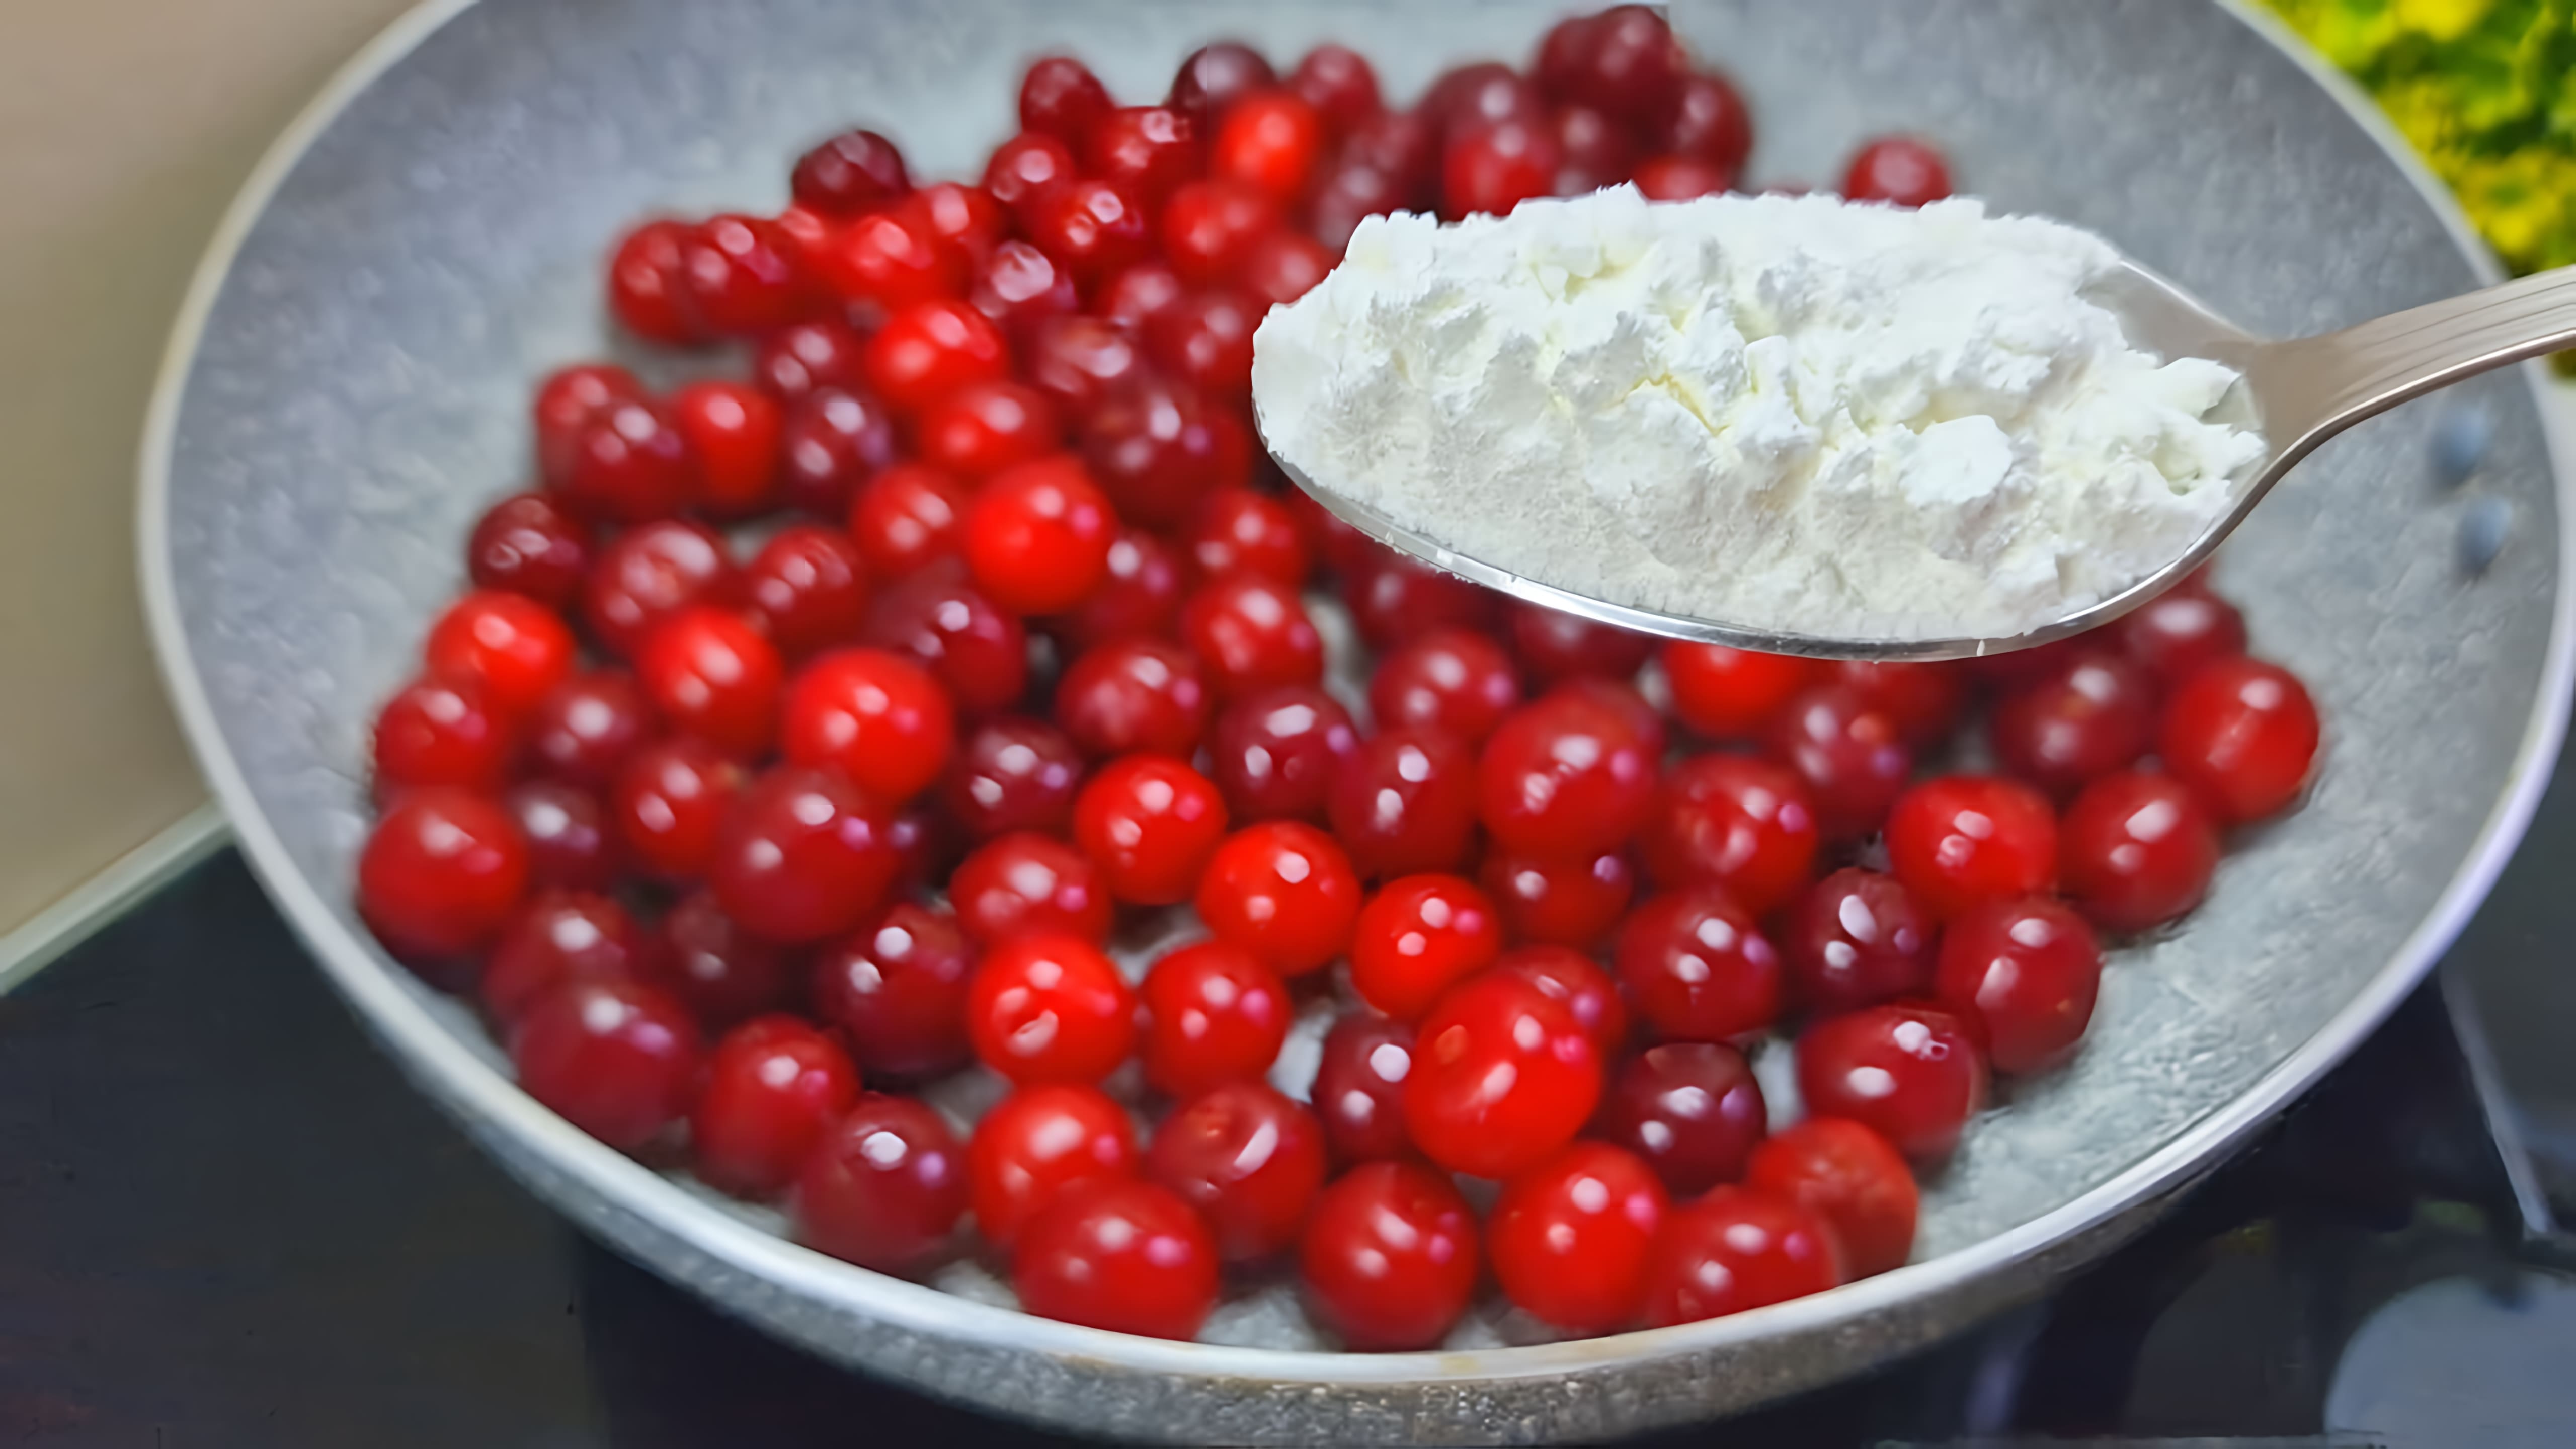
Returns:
(1029, 652)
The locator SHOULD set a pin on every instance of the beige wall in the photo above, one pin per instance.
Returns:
(125, 125)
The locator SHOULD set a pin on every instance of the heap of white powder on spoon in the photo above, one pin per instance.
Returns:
(1795, 415)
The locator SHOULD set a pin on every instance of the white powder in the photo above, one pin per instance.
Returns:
(1792, 414)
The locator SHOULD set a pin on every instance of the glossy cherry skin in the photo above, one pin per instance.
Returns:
(617, 1059)
(1579, 982)
(1251, 634)
(2093, 716)
(508, 646)
(1049, 1008)
(1923, 699)
(986, 427)
(1731, 693)
(1454, 680)
(1134, 293)
(441, 873)
(2244, 734)
(1038, 1141)
(808, 588)
(1249, 1159)
(1691, 1111)
(558, 936)
(650, 572)
(1358, 1092)
(1389, 1257)
(629, 464)
(721, 972)
(1155, 446)
(528, 544)
(1592, 150)
(2176, 634)
(1209, 226)
(1212, 1014)
(1092, 227)
(1339, 83)
(644, 284)
(1149, 823)
(1021, 288)
(571, 844)
(1405, 802)
(1145, 151)
(774, 1086)
(1238, 528)
(803, 854)
(1733, 821)
(1080, 361)
(1569, 1238)
(1697, 967)
(1503, 1074)
(1394, 600)
(1125, 1255)
(2136, 850)
(739, 276)
(2026, 972)
(440, 732)
(1913, 1074)
(669, 803)
(1850, 755)
(1851, 1180)
(1623, 60)
(1276, 754)
(1553, 645)
(1283, 891)
(1559, 901)
(1732, 1250)
(1037, 536)
(1565, 775)
(1490, 169)
(1418, 936)
(1028, 168)
(854, 172)
(897, 988)
(1962, 839)
(1855, 939)
(832, 443)
(978, 653)
(734, 434)
(1214, 77)
(1898, 169)
(1061, 97)
(930, 349)
(1024, 883)
(1140, 595)
(1013, 773)
(887, 261)
(883, 1187)
(1350, 191)
(873, 715)
(1271, 140)
(1133, 694)
(1681, 178)
(1282, 267)
(713, 675)
(1706, 118)
(564, 405)
(1621, 699)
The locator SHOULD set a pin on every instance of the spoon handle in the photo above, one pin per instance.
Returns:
(2315, 387)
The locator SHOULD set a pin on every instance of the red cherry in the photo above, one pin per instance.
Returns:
(1020, 288)
(1037, 536)
(1212, 1014)
(1282, 267)
(1283, 891)
(1140, 596)
(739, 275)
(644, 286)
(1569, 1238)
(1129, 1256)
(1276, 754)
(1405, 801)
(630, 463)
(1251, 633)
(1205, 339)
(1691, 1110)
(984, 428)
(1269, 140)
(2018, 669)
(808, 587)
(1697, 966)
(2026, 972)
(2136, 850)
(720, 972)
(897, 987)
(1419, 935)
(1352, 191)
(1249, 1159)
(508, 646)
(1849, 754)
(1857, 938)
(1027, 169)
(526, 544)
(889, 260)
(438, 732)
(570, 846)
(1503, 1075)
(1733, 821)
(1061, 97)
(1851, 1180)
(1155, 446)
(1480, 94)
(1912, 1074)
(876, 717)
(2244, 734)
(1035, 1143)
(2176, 634)
(1214, 78)
(1962, 839)
(854, 172)
(1455, 680)
(884, 1187)
(733, 431)
(1092, 227)
(1049, 1008)
(1209, 226)
(1144, 151)
(1489, 169)
(1333, 543)
(1358, 1092)
(559, 936)
(930, 349)
(833, 443)
(1923, 699)
(1731, 693)
(441, 872)
(1559, 901)
(965, 220)
(1573, 978)
(1706, 119)
(650, 572)
(1339, 83)
(1137, 292)
(774, 1087)
(1899, 169)
(1681, 178)
(803, 854)
(1389, 1256)
(564, 405)
(1405, 146)
(1393, 600)
(1237, 528)
(713, 675)
(1133, 694)
(1566, 776)
(1624, 61)
(669, 803)
(1013, 773)
(938, 621)
(2092, 717)
(617, 1059)
(907, 517)
(1024, 884)
(1733, 1250)
(795, 362)
(1553, 645)
(1149, 823)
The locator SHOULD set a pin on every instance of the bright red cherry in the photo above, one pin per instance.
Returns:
(964, 219)
(711, 674)
(1690, 1110)
(1393, 599)
(669, 802)
(1133, 694)
(559, 936)
(527, 544)
(1212, 1014)
(1141, 594)
(774, 1086)
(1238, 528)
(1204, 339)
(1282, 267)
(1209, 226)
(565, 404)
(1269, 140)
(1567, 776)
(1050, 1008)
(1623, 60)
(1681, 178)
(1850, 755)
(1489, 169)
(884, 1186)
(2244, 734)
(1013, 773)
(2095, 715)
(808, 587)
(1061, 97)
(1276, 754)
(1707, 119)
(932, 348)
(2019, 669)
(1851, 1180)
(1251, 633)
(739, 276)
(2136, 850)
(1913, 1074)
(571, 845)
(1962, 839)
(1358, 1092)
(1351, 191)
(1149, 823)
(1125, 1255)
(1898, 169)
(1020, 288)
(1027, 169)
(1559, 901)
(1503, 1074)
(440, 732)
(441, 873)
(1092, 227)
(1553, 645)
(1575, 979)
(1733, 821)
(1697, 966)
(986, 427)
(1592, 150)
(1340, 84)
(1731, 693)
(897, 987)
(944, 624)
(508, 646)
(1284, 891)
(617, 1059)
(629, 464)
(1419, 935)
(1857, 938)
(644, 287)
(854, 172)
(1038, 1141)
(1037, 536)
(1249, 1159)
(1923, 699)
(889, 260)
(734, 433)
(1569, 1238)
(2176, 634)
(1145, 151)
(875, 716)
(1136, 292)
(650, 572)
(2027, 972)
(795, 362)
(1389, 1256)
(1405, 801)
(721, 972)
(1155, 446)
(1732, 1250)
(1214, 78)
(1024, 884)
(1455, 680)
(803, 854)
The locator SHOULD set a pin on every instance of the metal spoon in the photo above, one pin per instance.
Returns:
(2300, 392)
